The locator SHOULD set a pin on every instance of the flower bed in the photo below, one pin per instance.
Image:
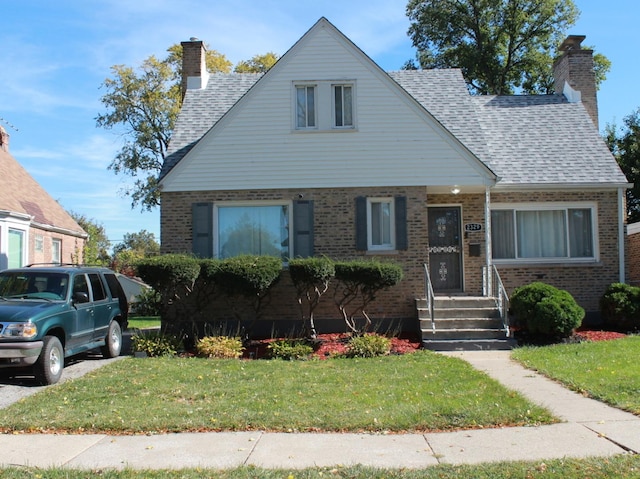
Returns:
(331, 345)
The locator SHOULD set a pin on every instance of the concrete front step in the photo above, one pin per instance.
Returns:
(462, 313)
(457, 333)
(460, 323)
(469, 344)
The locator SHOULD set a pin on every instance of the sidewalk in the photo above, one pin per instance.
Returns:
(591, 429)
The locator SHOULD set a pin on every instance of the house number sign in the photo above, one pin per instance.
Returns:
(471, 227)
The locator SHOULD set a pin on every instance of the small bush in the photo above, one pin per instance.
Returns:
(156, 344)
(524, 299)
(289, 349)
(368, 346)
(148, 303)
(220, 347)
(557, 315)
(540, 308)
(620, 306)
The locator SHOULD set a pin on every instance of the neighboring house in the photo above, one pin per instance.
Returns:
(633, 254)
(327, 154)
(34, 228)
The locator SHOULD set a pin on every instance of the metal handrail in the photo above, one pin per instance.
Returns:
(428, 287)
(499, 292)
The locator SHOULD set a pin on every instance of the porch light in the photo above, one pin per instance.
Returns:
(455, 190)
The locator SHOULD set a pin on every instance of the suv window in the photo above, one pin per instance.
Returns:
(96, 286)
(80, 285)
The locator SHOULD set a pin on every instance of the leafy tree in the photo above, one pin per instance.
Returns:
(143, 242)
(133, 248)
(624, 143)
(258, 64)
(500, 45)
(96, 247)
(144, 104)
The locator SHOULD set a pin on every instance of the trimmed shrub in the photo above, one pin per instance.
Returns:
(289, 349)
(557, 315)
(220, 347)
(544, 309)
(311, 277)
(359, 282)
(156, 344)
(247, 275)
(368, 346)
(524, 299)
(169, 270)
(620, 306)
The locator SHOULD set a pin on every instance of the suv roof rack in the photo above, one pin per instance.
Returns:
(65, 265)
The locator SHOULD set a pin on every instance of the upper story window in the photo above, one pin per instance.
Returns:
(56, 251)
(343, 106)
(39, 243)
(556, 232)
(324, 105)
(305, 106)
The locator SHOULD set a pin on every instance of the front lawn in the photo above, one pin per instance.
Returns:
(619, 467)
(423, 391)
(605, 370)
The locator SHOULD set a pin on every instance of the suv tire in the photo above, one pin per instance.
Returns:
(113, 341)
(48, 368)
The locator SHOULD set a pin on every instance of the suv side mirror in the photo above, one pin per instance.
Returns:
(80, 297)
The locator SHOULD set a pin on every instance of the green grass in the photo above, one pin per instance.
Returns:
(142, 322)
(605, 370)
(620, 467)
(423, 391)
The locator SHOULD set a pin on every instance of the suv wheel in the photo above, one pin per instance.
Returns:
(48, 368)
(113, 341)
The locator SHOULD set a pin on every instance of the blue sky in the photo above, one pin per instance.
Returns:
(55, 55)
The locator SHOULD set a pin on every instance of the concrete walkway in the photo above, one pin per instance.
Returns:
(590, 429)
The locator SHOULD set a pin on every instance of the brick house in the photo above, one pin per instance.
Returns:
(34, 228)
(327, 154)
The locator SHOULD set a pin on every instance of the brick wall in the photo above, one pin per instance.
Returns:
(632, 254)
(334, 231)
(586, 282)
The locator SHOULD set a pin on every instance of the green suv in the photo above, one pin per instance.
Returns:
(50, 313)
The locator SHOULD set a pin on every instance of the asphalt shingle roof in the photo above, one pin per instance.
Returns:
(523, 139)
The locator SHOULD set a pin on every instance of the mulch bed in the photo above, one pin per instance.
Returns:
(330, 345)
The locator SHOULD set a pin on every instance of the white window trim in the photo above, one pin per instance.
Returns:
(547, 206)
(223, 204)
(38, 243)
(55, 241)
(324, 105)
(351, 84)
(392, 225)
(13, 223)
(294, 93)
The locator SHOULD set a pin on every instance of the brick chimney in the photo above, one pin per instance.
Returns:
(574, 68)
(4, 139)
(194, 65)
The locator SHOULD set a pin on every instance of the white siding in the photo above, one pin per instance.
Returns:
(394, 144)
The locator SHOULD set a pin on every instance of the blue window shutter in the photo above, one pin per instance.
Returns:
(202, 229)
(361, 223)
(303, 228)
(402, 241)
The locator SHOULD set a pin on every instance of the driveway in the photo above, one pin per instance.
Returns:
(14, 388)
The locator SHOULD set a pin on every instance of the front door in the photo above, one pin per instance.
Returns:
(445, 248)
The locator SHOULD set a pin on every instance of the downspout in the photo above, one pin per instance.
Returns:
(621, 235)
(487, 239)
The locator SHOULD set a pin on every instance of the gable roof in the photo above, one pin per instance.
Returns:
(21, 194)
(526, 140)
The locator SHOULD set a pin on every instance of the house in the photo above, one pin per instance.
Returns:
(327, 154)
(34, 228)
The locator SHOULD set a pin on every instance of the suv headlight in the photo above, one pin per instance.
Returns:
(20, 330)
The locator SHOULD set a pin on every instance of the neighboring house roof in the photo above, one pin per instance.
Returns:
(525, 140)
(21, 194)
